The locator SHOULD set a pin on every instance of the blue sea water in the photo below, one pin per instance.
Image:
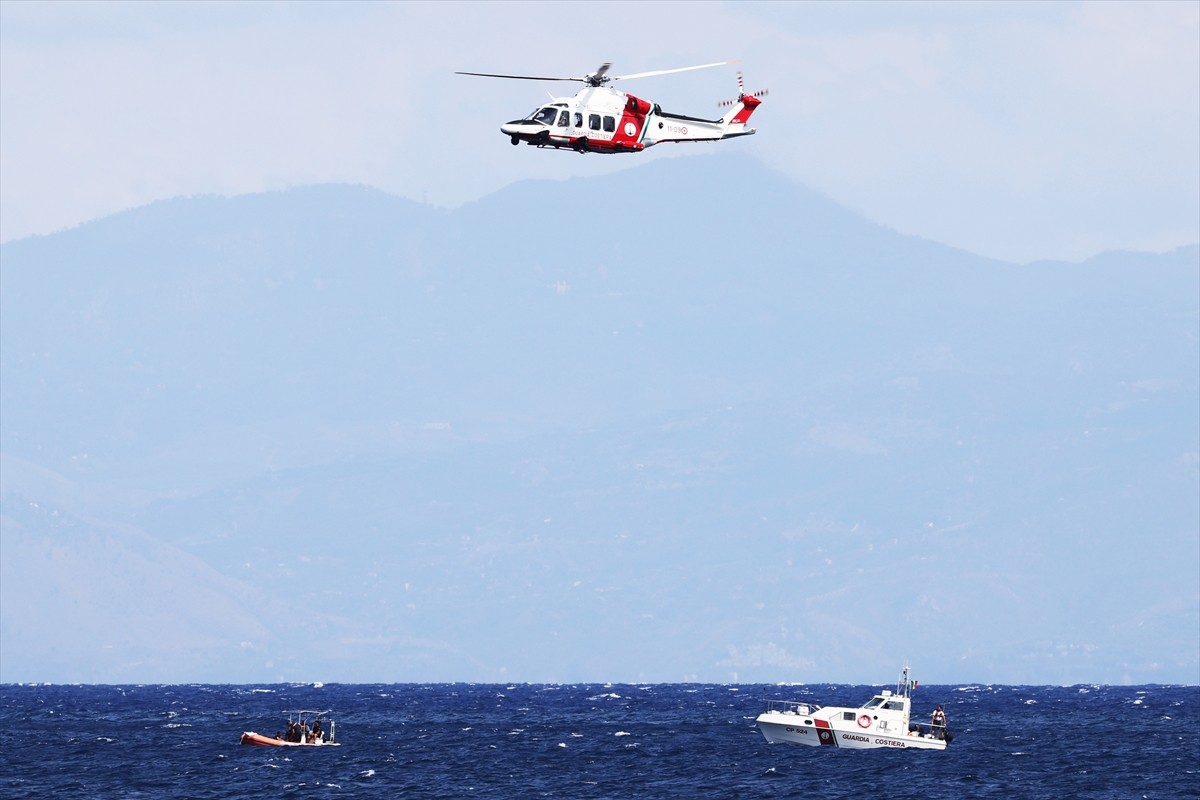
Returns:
(586, 741)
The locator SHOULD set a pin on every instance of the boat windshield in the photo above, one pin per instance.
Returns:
(873, 702)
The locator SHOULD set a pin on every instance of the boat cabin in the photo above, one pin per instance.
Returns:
(885, 712)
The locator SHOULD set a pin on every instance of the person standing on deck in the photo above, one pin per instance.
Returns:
(938, 723)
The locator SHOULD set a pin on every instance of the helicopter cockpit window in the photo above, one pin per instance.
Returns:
(544, 115)
(594, 121)
(563, 119)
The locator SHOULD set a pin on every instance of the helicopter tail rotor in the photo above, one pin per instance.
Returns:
(742, 94)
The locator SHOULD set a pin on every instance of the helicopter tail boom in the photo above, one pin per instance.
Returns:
(680, 128)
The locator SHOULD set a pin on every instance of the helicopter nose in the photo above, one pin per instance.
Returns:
(516, 127)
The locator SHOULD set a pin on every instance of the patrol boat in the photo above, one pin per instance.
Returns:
(883, 721)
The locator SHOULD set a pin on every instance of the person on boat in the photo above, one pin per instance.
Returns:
(938, 723)
(316, 730)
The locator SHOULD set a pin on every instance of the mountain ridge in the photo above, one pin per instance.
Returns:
(687, 420)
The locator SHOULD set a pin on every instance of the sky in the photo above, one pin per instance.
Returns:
(1018, 131)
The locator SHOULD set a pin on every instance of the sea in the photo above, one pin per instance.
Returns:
(586, 741)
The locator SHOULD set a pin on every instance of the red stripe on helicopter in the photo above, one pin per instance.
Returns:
(632, 123)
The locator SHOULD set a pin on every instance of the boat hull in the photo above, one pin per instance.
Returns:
(779, 728)
(258, 740)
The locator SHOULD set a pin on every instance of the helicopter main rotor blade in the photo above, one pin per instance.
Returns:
(516, 77)
(669, 71)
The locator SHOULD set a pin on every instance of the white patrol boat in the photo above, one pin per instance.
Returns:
(883, 721)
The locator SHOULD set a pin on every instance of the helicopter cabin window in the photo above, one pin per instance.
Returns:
(610, 124)
(563, 119)
(544, 115)
(594, 121)
(578, 120)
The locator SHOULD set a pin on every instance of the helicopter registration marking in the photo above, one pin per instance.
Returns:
(680, 129)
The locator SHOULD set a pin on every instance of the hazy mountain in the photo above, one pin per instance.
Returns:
(689, 420)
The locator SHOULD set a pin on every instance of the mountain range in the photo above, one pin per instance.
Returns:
(687, 421)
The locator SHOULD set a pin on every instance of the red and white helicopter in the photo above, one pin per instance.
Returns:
(600, 119)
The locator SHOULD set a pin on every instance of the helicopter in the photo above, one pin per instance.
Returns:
(601, 119)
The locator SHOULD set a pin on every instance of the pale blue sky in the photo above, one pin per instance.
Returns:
(1015, 130)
